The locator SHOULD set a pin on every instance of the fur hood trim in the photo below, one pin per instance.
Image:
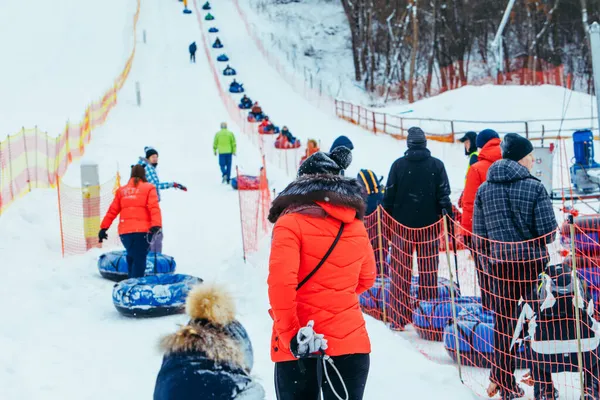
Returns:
(309, 189)
(211, 303)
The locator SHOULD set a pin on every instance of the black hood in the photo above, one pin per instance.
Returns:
(417, 154)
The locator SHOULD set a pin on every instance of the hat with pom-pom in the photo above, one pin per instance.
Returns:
(327, 163)
(150, 151)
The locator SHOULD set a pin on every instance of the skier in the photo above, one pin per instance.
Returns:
(225, 145)
(513, 221)
(140, 219)
(416, 194)
(321, 260)
(489, 145)
(210, 357)
(150, 163)
(193, 49)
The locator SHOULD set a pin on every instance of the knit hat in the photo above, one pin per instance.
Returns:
(485, 136)
(515, 147)
(342, 141)
(150, 151)
(416, 138)
(327, 163)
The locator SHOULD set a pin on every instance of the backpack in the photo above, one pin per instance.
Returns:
(375, 190)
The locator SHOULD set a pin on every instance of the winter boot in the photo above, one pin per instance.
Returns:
(224, 179)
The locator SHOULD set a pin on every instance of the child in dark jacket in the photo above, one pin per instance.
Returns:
(209, 358)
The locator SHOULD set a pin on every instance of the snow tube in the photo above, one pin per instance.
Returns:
(372, 298)
(153, 296)
(443, 290)
(231, 72)
(213, 30)
(222, 58)
(209, 17)
(475, 340)
(272, 131)
(236, 89)
(206, 6)
(187, 11)
(281, 145)
(251, 117)
(587, 235)
(113, 265)
(217, 45)
(245, 107)
(431, 317)
(245, 182)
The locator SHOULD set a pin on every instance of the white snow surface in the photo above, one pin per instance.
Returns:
(60, 335)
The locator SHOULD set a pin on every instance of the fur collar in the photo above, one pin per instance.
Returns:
(309, 189)
(207, 339)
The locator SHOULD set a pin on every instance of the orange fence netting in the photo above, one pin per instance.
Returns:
(32, 159)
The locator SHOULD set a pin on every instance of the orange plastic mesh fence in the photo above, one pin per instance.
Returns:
(32, 159)
(81, 212)
(488, 300)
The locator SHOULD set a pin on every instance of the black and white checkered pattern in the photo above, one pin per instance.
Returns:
(513, 206)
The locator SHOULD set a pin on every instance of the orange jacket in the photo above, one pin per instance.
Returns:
(475, 177)
(138, 207)
(309, 152)
(330, 297)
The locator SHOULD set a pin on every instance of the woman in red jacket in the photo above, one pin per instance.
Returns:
(320, 213)
(137, 203)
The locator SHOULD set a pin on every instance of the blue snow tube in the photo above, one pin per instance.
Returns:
(371, 300)
(153, 296)
(431, 317)
(209, 17)
(223, 58)
(187, 11)
(113, 265)
(230, 72)
(443, 290)
(206, 6)
(475, 339)
(245, 107)
(217, 45)
(236, 89)
(213, 30)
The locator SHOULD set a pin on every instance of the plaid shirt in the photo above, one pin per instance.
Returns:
(152, 177)
(513, 206)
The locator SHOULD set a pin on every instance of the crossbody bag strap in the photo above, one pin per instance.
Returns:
(325, 257)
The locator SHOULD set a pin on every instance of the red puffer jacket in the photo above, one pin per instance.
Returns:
(475, 177)
(138, 207)
(301, 237)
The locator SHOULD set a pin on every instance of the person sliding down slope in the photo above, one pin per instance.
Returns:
(150, 163)
(319, 213)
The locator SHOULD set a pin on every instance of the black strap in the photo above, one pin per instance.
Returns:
(325, 257)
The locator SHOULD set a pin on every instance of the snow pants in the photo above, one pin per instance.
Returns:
(193, 57)
(294, 381)
(137, 247)
(156, 243)
(225, 164)
(426, 243)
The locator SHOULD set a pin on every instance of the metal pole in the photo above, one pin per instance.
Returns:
(577, 316)
(237, 175)
(381, 260)
(144, 36)
(452, 296)
(497, 43)
(138, 94)
(594, 31)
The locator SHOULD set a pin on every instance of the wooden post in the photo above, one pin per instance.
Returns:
(374, 122)
(26, 158)
(452, 128)
(381, 261)
(526, 129)
(237, 175)
(60, 216)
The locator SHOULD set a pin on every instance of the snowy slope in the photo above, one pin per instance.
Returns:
(58, 56)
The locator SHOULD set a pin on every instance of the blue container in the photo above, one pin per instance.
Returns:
(372, 298)
(431, 317)
(113, 265)
(153, 296)
(583, 144)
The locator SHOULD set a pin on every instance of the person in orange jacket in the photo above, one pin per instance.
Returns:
(137, 204)
(321, 261)
(312, 147)
(488, 143)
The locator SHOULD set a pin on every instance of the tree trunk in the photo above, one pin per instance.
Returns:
(413, 54)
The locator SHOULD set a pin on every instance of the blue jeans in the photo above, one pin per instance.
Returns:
(225, 164)
(137, 247)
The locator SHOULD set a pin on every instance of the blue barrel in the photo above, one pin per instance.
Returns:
(475, 340)
(153, 296)
(431, 317)
(113, 265)
(443, 292)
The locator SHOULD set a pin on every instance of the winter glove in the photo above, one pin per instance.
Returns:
(154, 230)
(102, 235)
(307, 341)
(179, 186)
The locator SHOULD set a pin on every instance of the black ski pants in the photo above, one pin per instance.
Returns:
(137, 246)
(296, 382)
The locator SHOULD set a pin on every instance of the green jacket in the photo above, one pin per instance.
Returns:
(224, 142)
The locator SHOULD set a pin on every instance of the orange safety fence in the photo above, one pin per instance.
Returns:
(255, 201)
(32, 159)
(81, 210)
(485, 307)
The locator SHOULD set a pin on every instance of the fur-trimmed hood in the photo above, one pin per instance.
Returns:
(310, 189)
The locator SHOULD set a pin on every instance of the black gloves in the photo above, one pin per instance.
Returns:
(154, 230)
(102, 235)
(179, 186)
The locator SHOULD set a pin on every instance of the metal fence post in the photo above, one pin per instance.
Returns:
(381, 261)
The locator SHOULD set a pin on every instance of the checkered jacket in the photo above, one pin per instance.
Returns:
(513, 206)
(152, 176)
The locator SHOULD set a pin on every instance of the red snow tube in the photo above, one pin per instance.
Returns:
(251, 118)
(587, 235)
(262, 131)
(246, 182)
(285, 145)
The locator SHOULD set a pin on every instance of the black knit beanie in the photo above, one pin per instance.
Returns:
(327, 163)
(150, 151)
(416, 138)
(515, 147)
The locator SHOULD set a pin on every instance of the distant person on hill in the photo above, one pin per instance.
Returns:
(137, 205)
(150, 163)
(224, 144)
(256, 110)
(193, 49)
(312, 147)
(286, 137)
(417, 193)
(246, 102)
